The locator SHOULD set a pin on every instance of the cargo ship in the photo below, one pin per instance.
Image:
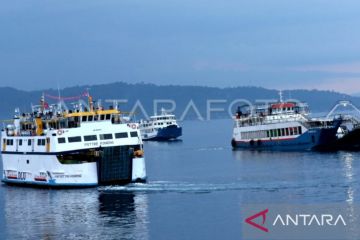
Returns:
(82, 147)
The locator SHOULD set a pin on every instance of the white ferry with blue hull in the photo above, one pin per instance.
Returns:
(282, 126)
(161, 127)
(80, 148)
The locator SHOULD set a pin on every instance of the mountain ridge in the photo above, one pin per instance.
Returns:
(146, 93)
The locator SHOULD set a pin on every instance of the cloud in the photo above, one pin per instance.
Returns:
(353, 68)
(220, 66)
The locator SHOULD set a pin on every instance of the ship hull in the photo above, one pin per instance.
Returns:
(164, 134)
(315, 139)
(350, 141)
(45, 170)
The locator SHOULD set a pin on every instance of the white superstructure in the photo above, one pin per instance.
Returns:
(72, 148)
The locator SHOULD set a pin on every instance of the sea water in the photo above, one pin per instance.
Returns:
(196, 189)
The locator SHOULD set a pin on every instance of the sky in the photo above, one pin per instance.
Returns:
(281, 44)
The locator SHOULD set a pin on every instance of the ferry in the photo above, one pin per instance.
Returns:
(160, 127)
(282, 126)
(82, 147)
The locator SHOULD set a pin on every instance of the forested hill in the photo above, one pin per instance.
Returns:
(319, 101)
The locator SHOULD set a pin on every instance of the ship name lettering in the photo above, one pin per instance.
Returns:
(68, 176)
(91, 144)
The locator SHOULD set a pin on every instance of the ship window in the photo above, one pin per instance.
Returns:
(115, 119)
(287, 131)
(291, 131)
(300, 130)
(84, 118)
(108, 116)
(106, 136)
(295, 130)
(90, 138)
(96, 117)
(283, 132)
(121, 135)
(61, 140)
(74, 139)
(102, 117)
(267, 134)
(133, 134)
(41, 142)
(29, 142)
(90, 118)
(279, 132)
(20, 142)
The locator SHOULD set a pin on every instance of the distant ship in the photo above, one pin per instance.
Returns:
(348, 134)
(54, 147)
(160, 127)
(282, 126)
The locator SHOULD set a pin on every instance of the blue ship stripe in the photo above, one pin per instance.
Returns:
(49, 184)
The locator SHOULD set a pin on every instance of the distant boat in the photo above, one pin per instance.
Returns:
(282, 126)
(160, 127)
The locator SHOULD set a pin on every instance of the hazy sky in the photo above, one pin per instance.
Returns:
(271, 43)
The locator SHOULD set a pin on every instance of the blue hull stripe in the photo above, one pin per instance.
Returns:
(47, 184)
(167, 133)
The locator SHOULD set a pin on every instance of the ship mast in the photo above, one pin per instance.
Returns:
(90, 101)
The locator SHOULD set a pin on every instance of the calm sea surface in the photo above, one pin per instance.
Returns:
(195, 190)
